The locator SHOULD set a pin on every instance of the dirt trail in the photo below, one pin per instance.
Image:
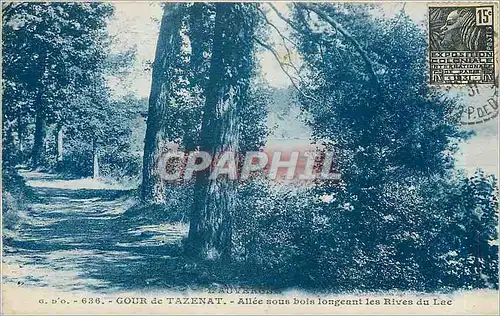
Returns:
(75, 238)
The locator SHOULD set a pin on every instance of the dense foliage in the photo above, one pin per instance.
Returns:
(55, 58)
(402, 216)
(62, 54)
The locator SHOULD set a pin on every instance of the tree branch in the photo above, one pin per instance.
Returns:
(283, 39)
(278, 59)
(349, 37)
(284, 18)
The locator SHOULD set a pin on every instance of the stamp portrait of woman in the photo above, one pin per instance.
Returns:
(455, 29)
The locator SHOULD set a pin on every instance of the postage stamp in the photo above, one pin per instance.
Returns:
(461, 44)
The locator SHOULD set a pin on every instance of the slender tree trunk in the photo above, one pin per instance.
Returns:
(60, 135)
(20, 134)
(95, 160)
(214, 200)
(8, 148)
(40, 120)
(39, 138)
(167, 52)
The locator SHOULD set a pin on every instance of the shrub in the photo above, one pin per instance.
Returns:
(465, 246)
(428, 234)
(121, 165)
(178, 202)
(15, 194)
(269, 222)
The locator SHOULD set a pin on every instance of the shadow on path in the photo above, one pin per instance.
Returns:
(74, 238)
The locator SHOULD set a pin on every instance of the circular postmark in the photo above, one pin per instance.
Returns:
(480, 104)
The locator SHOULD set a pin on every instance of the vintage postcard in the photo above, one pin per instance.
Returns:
(250, 158)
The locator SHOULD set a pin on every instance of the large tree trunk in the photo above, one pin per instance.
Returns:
(214, 200)
(167, 52)
(39, 138)
(201, 28)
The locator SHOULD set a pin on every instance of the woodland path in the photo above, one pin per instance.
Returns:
(75, 236)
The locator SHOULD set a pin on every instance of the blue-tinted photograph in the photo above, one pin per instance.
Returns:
(248, 148)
